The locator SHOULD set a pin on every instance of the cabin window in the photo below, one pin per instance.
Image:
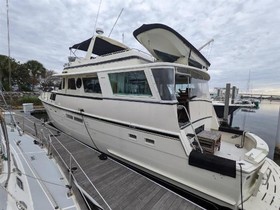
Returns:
(200, 88)
(19, 183)
(60, 85)
(79, 119)
(53, 96)
(130, 83)
(71, 84)
(79, 83)
(91, 85)
(165, 81)
(69, 116)
(63, 83)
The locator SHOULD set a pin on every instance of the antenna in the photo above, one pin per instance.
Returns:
(115, 22)
(97, 16)
(207, 43)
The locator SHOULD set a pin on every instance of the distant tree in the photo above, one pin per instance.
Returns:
(50, 81)
(21, 78)
(4, 70)
(36, 70)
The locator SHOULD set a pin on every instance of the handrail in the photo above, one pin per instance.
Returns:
(241, 145)
(195, 136)
(70, 168)
(72, 158)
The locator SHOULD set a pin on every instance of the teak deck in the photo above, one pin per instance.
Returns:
(109, 183)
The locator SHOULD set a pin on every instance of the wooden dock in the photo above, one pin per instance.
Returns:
(107, 183)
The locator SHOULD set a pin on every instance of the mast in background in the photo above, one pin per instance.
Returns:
(9, 50)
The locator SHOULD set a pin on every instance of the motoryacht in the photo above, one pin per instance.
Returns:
(154, 112)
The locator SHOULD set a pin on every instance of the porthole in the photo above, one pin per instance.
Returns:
(79, 83)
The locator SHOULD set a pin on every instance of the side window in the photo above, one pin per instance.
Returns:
(53, 96)
(63, 83)
(130, 83)
(91, 85)
(71, 84)
(19, 183)
(165, 81)
(79, 83)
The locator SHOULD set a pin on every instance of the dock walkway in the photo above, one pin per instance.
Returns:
(107, 183)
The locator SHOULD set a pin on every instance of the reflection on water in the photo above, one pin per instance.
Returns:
(262, 122)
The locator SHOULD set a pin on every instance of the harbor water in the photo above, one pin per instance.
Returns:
(263, 122)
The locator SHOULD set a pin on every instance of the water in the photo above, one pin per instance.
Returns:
(262, 122)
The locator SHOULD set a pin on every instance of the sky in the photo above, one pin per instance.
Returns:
(245, 51)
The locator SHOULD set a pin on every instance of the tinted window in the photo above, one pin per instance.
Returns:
(19, 183)
(71, 84)
(91, 85)
(165, 80)
(131, 83)
(63, 83)
(79, 83)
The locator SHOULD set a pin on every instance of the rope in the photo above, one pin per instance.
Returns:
(88, 131)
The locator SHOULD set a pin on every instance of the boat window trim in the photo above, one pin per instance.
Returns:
(63, 83)
(19, 183)
(91, 85)
(164, 86)
(72, 85)
(138, 84)
(78, 83)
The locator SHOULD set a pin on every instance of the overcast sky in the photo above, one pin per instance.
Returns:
(246, 33)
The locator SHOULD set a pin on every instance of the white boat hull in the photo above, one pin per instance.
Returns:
(166, 159)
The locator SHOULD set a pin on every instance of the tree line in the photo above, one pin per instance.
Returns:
(24, 76)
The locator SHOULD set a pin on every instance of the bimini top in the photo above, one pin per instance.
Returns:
(102, 45)
(167, 45)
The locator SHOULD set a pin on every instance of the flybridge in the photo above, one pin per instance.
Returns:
(102, 45)
(164, 44)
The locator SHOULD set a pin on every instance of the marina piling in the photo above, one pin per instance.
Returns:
(226, 109)
(278, 132)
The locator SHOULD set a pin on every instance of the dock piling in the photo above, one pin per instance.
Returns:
(278, 132)
(226, 109)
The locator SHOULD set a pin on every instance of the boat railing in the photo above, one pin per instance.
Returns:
(47, 137)
(195, 136)
(146, 53)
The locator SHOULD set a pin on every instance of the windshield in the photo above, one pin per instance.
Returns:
(200, 89)
(194, 88)
(165, 81)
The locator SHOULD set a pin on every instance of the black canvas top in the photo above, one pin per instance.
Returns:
(102, 46)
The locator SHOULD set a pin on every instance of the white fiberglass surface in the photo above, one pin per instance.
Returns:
(46, 182)
(230, 151)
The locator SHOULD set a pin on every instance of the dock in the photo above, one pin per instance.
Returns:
(105, 182)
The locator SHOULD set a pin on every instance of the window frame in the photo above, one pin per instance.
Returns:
(73, 85)
(96, 89)
(130, 84)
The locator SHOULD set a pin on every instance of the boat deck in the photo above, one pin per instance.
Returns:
(229, 150)
(107, 183)
(38, 176)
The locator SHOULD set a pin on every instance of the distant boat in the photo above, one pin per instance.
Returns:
(155, 113)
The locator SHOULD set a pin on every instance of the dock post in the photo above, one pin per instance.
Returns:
(278, 132)
(226, 109)
(233, 94)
